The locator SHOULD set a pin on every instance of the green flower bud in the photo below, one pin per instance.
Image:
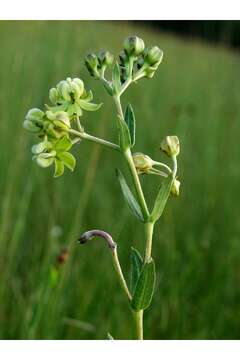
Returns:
(54, 96)
(175, 187)
(64, 90)
(143, 163)
(34, 115)
(170, 145)
(133, 45)
(105, 58)
(154, 56)
(123, 59)
(34, 120)
(76, 87)
(30, 126)
(92, 64)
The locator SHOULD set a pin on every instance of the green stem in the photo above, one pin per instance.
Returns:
(92, 138)
(149, 226)
(137, 184)
(119, 272)
(138, 317)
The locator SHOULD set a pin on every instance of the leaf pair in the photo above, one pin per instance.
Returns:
(142, 281)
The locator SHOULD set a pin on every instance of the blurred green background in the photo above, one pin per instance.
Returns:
(195, 94)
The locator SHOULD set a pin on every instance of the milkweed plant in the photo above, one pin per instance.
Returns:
(59, 127)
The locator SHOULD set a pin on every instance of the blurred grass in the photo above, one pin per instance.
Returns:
(195, 94)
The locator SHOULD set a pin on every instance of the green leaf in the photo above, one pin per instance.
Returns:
(116, 79)
(130, 121)
(59, 168)
(136, 267)
(161, 199)
(128, 196)
(145, 287)
(124, 135)
(63, 144)
(109, 336)
(85, 105)
(68, 160)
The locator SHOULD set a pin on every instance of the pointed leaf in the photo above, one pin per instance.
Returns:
(145, 287)
(136, 267)
(116, 79)
(88, 106)
(161, 199)
(128, 196)
(68, 160)
(130, 120)
(124, 135)
(59, 168)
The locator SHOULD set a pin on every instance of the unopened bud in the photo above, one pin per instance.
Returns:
(170, 145)
(64, 90)
(133, 45)
(92, 64)
(143, 163)
(54, 96)
(154, 56)
(175, 187)
(34, 120)
(105, 58)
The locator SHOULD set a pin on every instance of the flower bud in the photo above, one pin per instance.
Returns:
(105, 58)
(175, 187)
(92, 64)
(64, 90)
(54, 96)
(170, 145)
(143, 163)
(34, 115)
(123, 59)
(133, 45)
(34, 120)
(154, 56)
(76, 86)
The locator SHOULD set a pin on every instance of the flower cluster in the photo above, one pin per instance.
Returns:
(138, 61)
(53, 126)
(135, 62)
(97, 64)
